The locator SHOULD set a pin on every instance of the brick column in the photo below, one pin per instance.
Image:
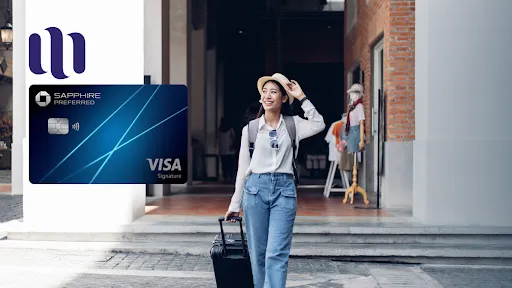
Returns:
(399, 70)
(393, 21)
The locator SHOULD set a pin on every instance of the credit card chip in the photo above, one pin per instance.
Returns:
(58, 126)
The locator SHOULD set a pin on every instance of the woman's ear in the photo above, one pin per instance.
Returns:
(285, 98)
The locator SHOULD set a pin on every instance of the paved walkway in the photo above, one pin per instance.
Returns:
(57, 269)
(11, 207)
(27, 268)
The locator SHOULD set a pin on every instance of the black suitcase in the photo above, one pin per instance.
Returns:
(230, 257)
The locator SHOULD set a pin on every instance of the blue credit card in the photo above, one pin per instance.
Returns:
(108, 134)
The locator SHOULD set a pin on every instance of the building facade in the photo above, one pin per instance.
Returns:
(374, 28)
(436, 62)
(436, 78)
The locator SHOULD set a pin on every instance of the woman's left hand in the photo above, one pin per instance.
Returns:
(293, 90)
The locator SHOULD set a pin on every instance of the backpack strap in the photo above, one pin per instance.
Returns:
(292, 132)
(252, 129)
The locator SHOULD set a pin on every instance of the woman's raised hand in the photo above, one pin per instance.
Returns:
(294, 90)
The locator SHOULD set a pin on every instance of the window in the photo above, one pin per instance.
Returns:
(351, 14)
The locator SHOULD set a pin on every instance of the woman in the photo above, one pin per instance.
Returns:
(266, 180)
(226, 138)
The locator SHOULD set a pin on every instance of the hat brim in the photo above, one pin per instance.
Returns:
(265, 79)
(353, 90)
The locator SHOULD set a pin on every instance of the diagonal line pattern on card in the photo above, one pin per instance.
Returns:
(124, 144)
(90, 135)
(124, 135)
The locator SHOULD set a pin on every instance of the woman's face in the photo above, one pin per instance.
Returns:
(271, 97)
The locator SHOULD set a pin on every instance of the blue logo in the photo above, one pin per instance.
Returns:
(57, 55)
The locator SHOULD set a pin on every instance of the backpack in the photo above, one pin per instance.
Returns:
(290, 127)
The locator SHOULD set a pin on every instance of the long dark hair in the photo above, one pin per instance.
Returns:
(286, 108)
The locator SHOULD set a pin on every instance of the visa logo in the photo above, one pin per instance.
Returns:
(162, 164)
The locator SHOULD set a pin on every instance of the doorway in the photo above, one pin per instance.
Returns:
(315, 79)
(377, 90)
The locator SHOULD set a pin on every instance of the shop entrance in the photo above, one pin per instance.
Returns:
(376, 94)
(249, 39)
(322, 83)
(299, 39)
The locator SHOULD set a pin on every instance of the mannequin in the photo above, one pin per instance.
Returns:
(353, 137)
(346, 160)
(333, 138)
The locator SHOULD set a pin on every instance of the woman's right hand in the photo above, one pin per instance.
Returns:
(231, 214)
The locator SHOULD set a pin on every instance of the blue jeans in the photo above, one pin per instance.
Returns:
(270, 205)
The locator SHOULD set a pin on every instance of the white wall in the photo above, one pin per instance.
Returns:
(153, 61)
(153, 40)
(462, 156)
(178, 41)
(397, 180)
(19, 91)
(65, 207)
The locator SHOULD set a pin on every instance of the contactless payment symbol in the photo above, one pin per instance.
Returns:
(58, 126)
(43, 98)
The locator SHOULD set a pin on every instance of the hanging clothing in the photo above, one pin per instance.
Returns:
(330, 138)
(337, 129)
(346, 159)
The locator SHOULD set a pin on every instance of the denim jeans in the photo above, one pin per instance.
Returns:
(270, 206)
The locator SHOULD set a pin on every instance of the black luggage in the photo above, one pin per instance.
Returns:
(230, 257)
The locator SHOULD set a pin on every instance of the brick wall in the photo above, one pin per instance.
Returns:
(394, 21)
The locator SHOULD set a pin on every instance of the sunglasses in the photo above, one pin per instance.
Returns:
(273, 139)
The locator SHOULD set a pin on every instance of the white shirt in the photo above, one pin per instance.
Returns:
(268, 160)
(357, 115)
(334, 154)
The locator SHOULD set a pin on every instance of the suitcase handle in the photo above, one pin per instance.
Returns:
(237, 219)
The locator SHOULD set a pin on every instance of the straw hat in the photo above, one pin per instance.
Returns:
(356, 88)
(276, 77)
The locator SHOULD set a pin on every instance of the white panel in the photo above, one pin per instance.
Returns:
(114, 33)
(153, 40)
(462, 157)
